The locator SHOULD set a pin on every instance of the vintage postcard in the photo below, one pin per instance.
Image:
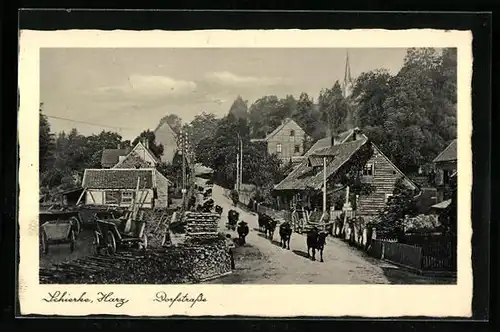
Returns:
(277, 173)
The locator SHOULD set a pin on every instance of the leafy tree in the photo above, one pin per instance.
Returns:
(103, 140)
(203, 126)
(308, 117)
(149, 135)
(46, 142)
(334, 109)
(239, 108)
(261, 118)
(401, 204)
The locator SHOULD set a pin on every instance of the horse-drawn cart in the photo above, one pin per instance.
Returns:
(110, 235)
(232, 219)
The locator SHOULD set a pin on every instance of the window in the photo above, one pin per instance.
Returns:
(292, 132)
(368, 169)
(387, 196)
(297, 148)
(127, 197)
(278, 147)
(111, 197)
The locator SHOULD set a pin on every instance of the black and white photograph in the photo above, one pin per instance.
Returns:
(245, 166)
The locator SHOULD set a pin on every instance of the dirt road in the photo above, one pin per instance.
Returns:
(262, 261)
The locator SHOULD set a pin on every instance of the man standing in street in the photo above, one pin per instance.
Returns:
(230, 245)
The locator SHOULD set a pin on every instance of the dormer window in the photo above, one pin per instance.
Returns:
(292, 133)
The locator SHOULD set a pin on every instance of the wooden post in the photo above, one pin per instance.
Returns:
(324, 185)
(81, 196)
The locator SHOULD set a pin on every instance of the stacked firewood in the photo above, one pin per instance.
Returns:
(201, 224)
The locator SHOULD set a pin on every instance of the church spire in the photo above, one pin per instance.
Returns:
(348, 82)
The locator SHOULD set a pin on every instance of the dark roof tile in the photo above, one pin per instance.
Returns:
(448, 154)
(110, 157)
(117, 178)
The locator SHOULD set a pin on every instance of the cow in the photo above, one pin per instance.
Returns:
(263, 220)
(285, 235)
(315, 240)
(270, 228)
(218, 209)
(242, 231)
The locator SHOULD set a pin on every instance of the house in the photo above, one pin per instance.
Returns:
(286, 141)
(111, 157)
(140, 157)
(117, 187)
(306, 181)
(445, 165)
(165, 135)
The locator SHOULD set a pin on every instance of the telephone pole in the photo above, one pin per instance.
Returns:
(183, 151)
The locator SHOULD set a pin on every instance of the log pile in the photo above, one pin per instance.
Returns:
(202, 224)
(174, 265)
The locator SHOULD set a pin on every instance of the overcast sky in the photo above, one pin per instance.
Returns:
(133, 88)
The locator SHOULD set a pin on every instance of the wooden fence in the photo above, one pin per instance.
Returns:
(403, 254)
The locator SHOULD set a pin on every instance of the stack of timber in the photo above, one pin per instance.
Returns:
(202, 224)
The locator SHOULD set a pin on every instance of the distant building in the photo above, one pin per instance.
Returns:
(446, 167)
(166, 136)
(286, 141)
(348, 83)
(111, 157)
(140, 157)
(117, 187)
(305, 182)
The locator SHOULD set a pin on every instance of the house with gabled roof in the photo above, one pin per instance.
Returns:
(139, 157)
(111, 157)
(445, 167)
(286, 141)
(165, 135)
(306, 181)
(117, 187)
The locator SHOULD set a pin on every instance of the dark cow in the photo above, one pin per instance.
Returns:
(285, 235)
(270, 228)
(218, 209)
(242, 231)
(316, 240)
(263, 220)
(208, 205)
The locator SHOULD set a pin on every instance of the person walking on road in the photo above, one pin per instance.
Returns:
(230, 245)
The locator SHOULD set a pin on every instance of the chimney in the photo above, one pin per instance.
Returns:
(146, 143)
(118, 146)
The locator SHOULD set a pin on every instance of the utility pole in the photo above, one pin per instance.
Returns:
(237, 184)
(324, 185)
(241, 161)
(183, 149)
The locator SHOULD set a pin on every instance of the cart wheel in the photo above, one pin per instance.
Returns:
(77, 227)
(45, 243)
(72, 238)
(96, 244)
(111, 241)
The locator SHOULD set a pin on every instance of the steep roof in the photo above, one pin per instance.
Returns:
(307, 174)
(110, 157)
(448, 154)
(118, 178)
(155, 158)
(279, 128)
(326, 142)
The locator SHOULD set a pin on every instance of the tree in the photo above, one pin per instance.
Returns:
(149, 135)
(308, 117)
(46, 142)
(173, 121)
(203, 126)
(261, 118)
(333, 109)
(239, 108)
(103, 140)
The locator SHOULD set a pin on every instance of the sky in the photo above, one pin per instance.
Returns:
(130, 90)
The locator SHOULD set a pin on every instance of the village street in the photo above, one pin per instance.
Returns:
(272, 264)
(261, 261)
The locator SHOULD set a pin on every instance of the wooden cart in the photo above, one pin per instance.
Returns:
(110, 236)
(55, 232)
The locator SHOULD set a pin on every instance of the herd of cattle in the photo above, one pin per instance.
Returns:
(315, 238)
